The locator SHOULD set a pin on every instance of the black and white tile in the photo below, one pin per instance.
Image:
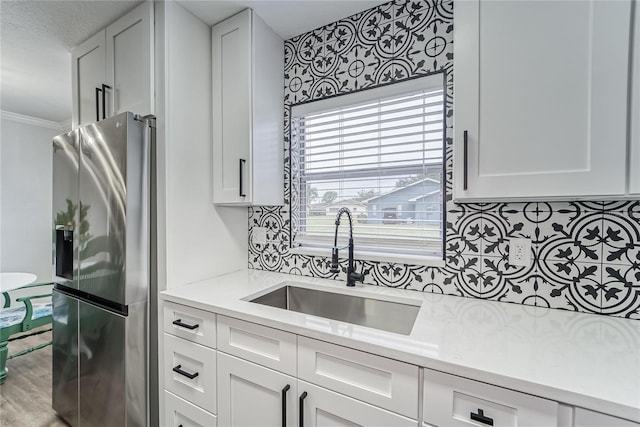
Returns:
(585, 255)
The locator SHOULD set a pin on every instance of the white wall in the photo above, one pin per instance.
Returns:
(196, 240)
(201, 240)
(25, 195)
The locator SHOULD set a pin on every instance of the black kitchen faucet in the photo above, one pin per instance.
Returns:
(352, 275)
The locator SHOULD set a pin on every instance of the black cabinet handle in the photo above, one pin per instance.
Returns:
(104, 95)
(466, 159)
(98, 90)
(481, 418)
(301, 409)
(184, 373)
(178, 322)
(284, 405)
(242, 162)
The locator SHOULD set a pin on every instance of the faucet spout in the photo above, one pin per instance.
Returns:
(352, 275)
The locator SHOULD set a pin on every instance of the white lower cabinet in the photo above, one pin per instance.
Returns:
(341, 387)
(265, 346)
(450, 400)
(292, 380)
(178, 412)
(321, 407)
(383, 382)
(252, 395)
(190, 371)
(190, 323)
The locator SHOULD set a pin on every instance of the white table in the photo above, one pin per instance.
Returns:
(10, 281)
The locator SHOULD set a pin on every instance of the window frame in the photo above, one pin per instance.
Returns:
(431, 81)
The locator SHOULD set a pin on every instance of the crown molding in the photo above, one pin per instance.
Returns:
(65, 125)
(34, 121)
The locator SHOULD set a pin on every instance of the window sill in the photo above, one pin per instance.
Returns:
(425, 260)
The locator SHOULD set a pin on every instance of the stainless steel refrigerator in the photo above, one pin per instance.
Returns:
(104, 311)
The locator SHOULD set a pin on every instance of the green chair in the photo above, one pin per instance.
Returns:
(20, 319)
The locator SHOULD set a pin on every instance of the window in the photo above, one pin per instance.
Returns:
(378, 152)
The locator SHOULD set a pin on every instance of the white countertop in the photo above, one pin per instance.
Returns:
(580, 359)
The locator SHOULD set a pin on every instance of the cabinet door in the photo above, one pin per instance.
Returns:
(250, 395)
(541, 93)
(129, 45)
(634, 176)
(321, 407)
(231, 44)
(87, 74)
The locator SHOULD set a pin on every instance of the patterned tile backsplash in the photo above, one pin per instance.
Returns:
(586, 255)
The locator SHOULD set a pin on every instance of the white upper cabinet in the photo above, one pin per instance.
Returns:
(112, 72)
(88, 74)
(634, 152)
(541, 96)
(248, 82)
(130, 62)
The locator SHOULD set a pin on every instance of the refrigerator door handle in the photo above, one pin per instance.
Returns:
(185, 373)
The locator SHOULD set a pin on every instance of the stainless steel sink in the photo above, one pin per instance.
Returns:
(373, 313)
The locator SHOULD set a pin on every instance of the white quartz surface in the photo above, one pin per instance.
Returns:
(580, 359)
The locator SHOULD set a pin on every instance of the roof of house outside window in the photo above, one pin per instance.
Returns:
(431, 181)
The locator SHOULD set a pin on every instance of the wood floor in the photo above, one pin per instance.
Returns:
(25, 397)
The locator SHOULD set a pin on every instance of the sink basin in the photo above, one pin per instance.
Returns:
(374, 313)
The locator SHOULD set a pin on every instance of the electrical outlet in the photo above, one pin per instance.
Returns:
(259, 235)
(520, 252)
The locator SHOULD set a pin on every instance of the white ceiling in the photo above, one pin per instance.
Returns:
(288, 18)
(36, 38)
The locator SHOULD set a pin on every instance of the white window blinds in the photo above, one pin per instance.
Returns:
(380, 155)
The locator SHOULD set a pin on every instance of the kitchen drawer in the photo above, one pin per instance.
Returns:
(268, 347)
(190, 359)
(587, 418)
(377, 380)
(190, 323)
(320, 407)
(450, 400)
(179, 412)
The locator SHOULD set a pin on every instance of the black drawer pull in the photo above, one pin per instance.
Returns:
(98, 90)
(301, 409)
(178, 322)
(187, 374)
(104, 102)
(284, 405)
(481, 418)
(242, 162)
(465, 178)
